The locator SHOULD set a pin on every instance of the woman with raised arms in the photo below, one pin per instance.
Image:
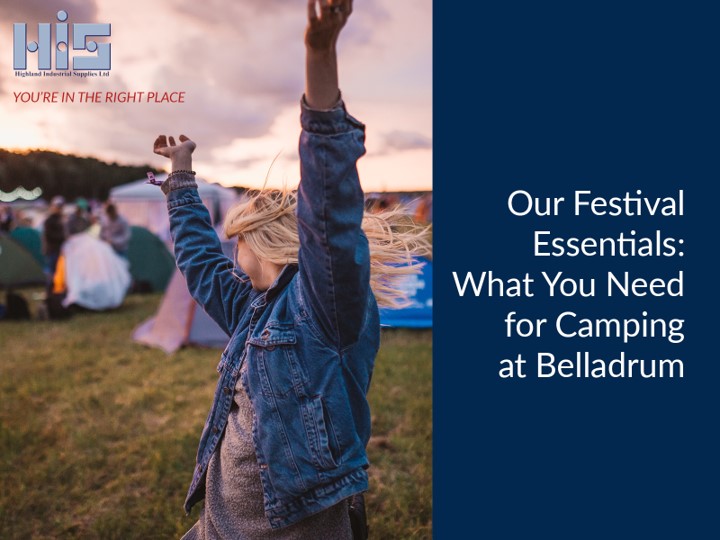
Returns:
(282, 453)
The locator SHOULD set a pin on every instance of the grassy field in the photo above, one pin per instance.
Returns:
(98, 434)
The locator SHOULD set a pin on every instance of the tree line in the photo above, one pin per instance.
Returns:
(67, 175)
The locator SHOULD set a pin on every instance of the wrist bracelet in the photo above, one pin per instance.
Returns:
(178, 180)
(181, 171)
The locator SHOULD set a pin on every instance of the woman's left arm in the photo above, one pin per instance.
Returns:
(334, 257)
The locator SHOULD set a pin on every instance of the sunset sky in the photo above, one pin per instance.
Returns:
(241, 67)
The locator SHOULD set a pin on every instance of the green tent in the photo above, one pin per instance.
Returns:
(17, 266)
(151, 264)
(30, 239)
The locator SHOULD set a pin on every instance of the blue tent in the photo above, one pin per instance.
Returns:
(419, 313)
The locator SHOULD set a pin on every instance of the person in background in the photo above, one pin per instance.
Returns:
(53, 235)
(95, 227)
(115, 230)
(79, 221)
(423, 211)
(6, 218)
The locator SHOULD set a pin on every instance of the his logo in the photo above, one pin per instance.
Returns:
(44, 46)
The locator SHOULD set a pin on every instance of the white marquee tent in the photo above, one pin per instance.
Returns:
(144, 204)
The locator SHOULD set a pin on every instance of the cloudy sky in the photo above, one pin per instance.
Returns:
(241, 67)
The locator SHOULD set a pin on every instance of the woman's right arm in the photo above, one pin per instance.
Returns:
(208, 272)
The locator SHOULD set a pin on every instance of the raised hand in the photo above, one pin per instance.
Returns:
(180, 154)
(325, 20)
(165, 146)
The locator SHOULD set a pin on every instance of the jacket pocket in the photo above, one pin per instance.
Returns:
(273, 354)
(322, 440)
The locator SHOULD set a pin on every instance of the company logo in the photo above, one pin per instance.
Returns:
(44, 46)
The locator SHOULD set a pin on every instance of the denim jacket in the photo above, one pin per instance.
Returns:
(309, 341)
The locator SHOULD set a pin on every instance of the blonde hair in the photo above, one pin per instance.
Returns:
(267, 222)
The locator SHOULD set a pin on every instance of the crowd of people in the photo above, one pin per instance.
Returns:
(82, 248)
(106, 224)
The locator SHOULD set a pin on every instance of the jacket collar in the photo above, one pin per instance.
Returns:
(285, 276)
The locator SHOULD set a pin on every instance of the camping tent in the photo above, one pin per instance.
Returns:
(144, 204)
(30, 239)
(180, 320)
(151, 264)
(419, 313)
(95, 277)
(17, 266)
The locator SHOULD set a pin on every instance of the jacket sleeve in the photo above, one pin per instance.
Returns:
(334, 259)
(199, 256)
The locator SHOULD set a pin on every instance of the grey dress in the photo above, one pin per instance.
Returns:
(234, 498)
